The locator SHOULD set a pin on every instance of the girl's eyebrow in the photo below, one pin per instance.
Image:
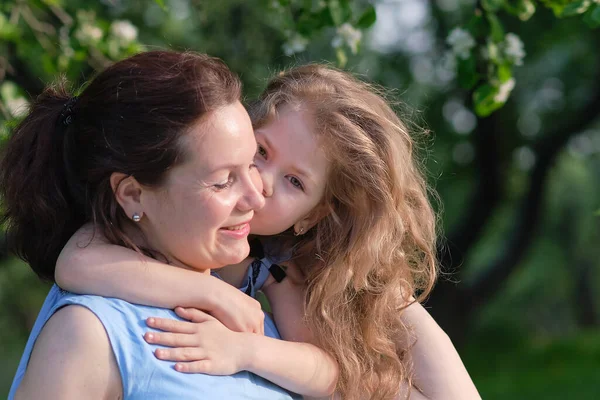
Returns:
(265, 139)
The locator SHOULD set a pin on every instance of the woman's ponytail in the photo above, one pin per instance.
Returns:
(38, 209)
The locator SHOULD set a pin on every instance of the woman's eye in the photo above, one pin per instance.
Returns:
(261, 151)
(296, 182)
(221, 186)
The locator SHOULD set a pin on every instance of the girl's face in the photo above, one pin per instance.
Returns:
(293, 168)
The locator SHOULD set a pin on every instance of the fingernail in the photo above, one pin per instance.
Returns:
(151, 320)
(149, 336)
(159, 353)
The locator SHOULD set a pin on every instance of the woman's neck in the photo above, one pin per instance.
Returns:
(139, 239)
(236, 273)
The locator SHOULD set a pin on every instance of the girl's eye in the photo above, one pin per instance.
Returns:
(261, 151)
(297, 183)
(222, 186)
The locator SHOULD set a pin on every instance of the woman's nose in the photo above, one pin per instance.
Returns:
(252, 198)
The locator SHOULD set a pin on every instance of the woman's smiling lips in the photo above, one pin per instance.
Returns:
(237, 231)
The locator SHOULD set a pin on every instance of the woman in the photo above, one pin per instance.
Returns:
(158, 153)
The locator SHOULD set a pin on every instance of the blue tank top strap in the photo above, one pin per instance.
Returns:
(143, 375)
(258, 273)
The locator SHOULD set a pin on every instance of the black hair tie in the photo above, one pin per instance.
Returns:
(66, 116)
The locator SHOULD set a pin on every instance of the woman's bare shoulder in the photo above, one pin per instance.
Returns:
(72, 358)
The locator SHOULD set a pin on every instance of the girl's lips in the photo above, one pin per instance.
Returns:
(238, 231)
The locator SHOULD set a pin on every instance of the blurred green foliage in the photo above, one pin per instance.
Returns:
(514, 153)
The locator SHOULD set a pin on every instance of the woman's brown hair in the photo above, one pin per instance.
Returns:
(56, 167)
(375, 247)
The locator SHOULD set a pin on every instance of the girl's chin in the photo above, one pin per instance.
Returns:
(262, 229)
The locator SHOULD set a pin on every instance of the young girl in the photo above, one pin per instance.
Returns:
(346, 207)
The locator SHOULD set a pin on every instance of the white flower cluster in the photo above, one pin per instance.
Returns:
(349, 35)
(89, 34)
(513, 49)
(295, 44)
(585, 5)
(124, 31)
(504, 91)
(17, 107)
(462, 42)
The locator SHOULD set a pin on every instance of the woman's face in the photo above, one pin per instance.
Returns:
(200, 217)
(293, 168)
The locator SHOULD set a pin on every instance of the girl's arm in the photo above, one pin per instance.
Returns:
(296, 364)
(206, 346)
(109, 270)
(439, 371)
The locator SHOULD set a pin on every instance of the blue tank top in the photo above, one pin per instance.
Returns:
(143, 375)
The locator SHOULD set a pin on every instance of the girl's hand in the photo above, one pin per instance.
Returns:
(236, 310)
(203, 345)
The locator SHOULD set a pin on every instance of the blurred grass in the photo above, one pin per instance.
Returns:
(508, 366)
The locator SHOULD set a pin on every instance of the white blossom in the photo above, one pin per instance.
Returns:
(296, 44)
(504, 91)
(490, 51)
(584, 6)
(348, 34)
(513, 49)
(88, 34)
(17, 107)
(462, 42)
(124, 30)
(527, 11)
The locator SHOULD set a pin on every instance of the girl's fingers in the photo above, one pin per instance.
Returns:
(171, 339)
(194, 367)
(193, 314)
(171, 325)
(180, 354)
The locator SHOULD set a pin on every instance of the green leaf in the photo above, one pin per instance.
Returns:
(8, 31)
(53, 2)
(477, 26)
(504, 72)
(592, 17)
(496, 28)
(309, 23)
(492, 5)
(523, 9)
(367, 19)
(484, 100)
(342, 59)
(575, 8)
(340, 11)
(467, 72)
(161, 4)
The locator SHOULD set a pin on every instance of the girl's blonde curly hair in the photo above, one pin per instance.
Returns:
(374, 247)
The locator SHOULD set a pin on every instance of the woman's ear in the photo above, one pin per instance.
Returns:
(128, 192)
(311, 219)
